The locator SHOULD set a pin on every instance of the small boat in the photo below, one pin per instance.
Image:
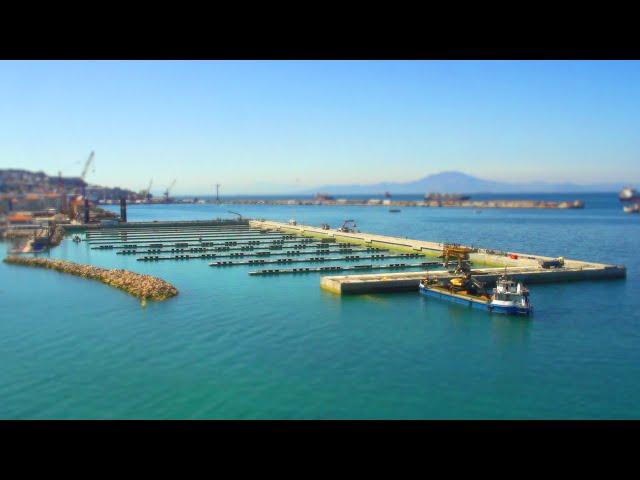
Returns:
(508, 297)
(394, 210)
(629, 194)
(633, 208)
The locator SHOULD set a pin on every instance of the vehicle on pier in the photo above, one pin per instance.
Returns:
(349, 226)
(553, 263)
(508, 297)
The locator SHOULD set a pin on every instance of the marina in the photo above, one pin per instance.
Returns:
(256, 242)
(319, 240)
(277, 313)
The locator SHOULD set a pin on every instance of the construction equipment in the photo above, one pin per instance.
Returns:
(168, 190)
(349, 226)
(452, 252)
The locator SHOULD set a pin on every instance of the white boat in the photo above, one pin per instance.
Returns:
(511, 297)
(629, 194)
(633, 208)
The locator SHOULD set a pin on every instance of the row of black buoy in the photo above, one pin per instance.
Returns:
(133, 251)
(338, 268)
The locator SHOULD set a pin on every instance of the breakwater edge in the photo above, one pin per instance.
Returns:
(146, 287)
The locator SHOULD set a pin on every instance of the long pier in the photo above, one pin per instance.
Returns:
(522, 266)
(269, 245)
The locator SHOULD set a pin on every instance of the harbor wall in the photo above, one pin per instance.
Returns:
(395, 282)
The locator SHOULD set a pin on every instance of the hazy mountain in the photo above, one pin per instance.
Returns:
(457, 182)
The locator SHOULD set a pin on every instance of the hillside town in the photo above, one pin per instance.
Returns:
(33, 203)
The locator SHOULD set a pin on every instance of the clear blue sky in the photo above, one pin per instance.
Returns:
(263, 126)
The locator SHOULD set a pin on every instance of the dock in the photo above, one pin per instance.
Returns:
(271, 246)
(522, 266)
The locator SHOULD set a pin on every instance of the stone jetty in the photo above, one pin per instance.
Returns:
(143, 286)
(377, 202)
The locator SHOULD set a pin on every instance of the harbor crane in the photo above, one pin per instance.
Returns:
(146, 194)
(236, 213)
(458, 255)
(168, 190)
(85, 170)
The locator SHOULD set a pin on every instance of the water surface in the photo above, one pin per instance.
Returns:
(235, 346)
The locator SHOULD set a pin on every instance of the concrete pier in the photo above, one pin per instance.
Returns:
(397, 282)
(522, 266)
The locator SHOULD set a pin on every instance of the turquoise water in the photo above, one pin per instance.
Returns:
(235, 346)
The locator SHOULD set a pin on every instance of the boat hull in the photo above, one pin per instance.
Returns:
(473, 302)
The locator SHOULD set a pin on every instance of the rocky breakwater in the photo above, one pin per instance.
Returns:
(143, 286)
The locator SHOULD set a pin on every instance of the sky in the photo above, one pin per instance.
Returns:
(275, 126)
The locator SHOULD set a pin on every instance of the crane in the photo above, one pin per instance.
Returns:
(147, 192)
(85, 170)
(166, 193)
(87, 164)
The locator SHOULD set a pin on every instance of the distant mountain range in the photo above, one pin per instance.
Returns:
(458, 182)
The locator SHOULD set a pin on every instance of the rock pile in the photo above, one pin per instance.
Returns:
(143, 286)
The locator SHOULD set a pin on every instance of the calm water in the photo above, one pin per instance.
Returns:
(234, 346)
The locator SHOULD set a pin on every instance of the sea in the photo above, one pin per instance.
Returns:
(234, 346)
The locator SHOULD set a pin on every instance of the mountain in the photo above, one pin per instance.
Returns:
(458, 182)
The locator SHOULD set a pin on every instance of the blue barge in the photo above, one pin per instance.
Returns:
(509, 297)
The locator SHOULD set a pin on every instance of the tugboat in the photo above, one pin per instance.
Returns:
(509, 297)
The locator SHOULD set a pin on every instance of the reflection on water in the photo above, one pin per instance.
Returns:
(509, 330)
